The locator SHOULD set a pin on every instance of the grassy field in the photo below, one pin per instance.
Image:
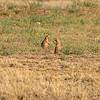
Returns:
(26, 73)
(22, 29)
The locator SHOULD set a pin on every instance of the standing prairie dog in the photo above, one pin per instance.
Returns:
(45, 42)
(57, 46)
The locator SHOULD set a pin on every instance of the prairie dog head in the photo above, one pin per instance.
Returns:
(46, 37)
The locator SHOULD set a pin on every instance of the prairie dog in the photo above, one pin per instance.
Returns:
(57, 46)
(45, 42)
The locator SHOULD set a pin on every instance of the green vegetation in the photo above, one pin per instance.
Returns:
(22, 29)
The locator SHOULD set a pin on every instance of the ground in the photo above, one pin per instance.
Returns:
(27, 72)
(52, 77)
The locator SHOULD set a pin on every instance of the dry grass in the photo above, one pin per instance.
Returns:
(35, 78)
(45, 3)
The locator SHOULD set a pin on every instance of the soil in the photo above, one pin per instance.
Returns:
(50, 77)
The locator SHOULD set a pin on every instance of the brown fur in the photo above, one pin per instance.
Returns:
(45, 43)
